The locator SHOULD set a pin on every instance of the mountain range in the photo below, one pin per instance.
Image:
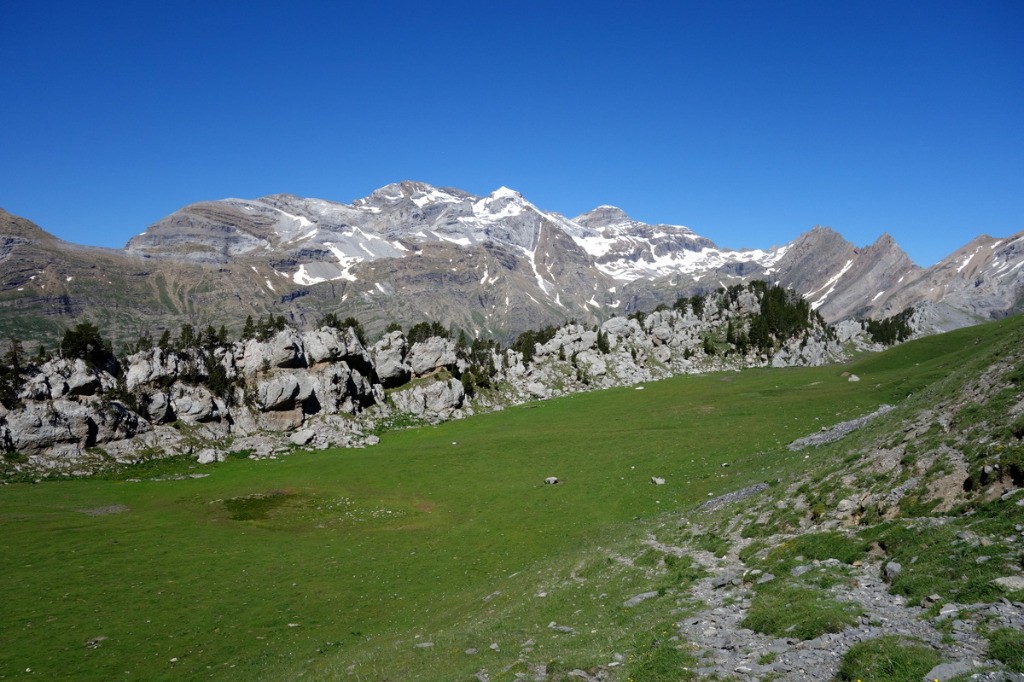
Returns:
(493, 266)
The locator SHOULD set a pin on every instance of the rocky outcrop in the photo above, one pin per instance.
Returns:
(665, 343)
(432, 355)
(389, 359)
(325, 382)
(68, 410)
(437, 401)
(64, 427)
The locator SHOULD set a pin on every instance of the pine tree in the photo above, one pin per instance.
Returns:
(249, 330)
(187, 337)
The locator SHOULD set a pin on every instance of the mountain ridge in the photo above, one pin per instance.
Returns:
(491, 265)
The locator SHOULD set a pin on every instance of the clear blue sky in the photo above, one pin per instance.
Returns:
(750, 122)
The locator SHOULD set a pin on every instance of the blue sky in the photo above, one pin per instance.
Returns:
(749, 122)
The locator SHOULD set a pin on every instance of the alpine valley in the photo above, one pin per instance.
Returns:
(317, 452)
(491, 266)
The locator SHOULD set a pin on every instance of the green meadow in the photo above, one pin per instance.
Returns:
(389, 563)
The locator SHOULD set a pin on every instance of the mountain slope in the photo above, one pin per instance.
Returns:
(493, 266)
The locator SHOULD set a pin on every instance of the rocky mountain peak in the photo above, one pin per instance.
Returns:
(418, 193)
(602, 216)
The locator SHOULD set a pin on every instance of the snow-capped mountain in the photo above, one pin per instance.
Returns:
(491, 265)
(315, 241)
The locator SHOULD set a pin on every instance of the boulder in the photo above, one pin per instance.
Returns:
(427, 357)
(158, 408)
(284, 391)
(324, 345)
(433, 402)
(593, 363)
(947, 671)
(37, 387)
(147, 367)
(619, 326)
(69, 426)
(193, 404)
(389, 359)
(638, 599)
(83, 381)
(286, 349)
(302, 437)
(537, 389)
(209, 456)
(1012, 583)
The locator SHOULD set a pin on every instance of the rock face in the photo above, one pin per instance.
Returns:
(435, 402)
(324, 387)
(389, 359)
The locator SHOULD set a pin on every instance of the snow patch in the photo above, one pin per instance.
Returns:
(302, 277)
(434, 196)
(831, 284)
(968, 259)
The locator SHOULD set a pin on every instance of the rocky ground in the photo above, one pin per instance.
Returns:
(725, 647)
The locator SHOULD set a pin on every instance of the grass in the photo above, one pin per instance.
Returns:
(784, 610)
(888, 659)
(337, 563)
(935, 560)
(1007, 646)
(815, 546)
(658, 658)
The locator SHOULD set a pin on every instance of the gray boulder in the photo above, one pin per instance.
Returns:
(302, 437)
(158, 408)
(284, 391)
(619, 326)
(327, 345)
(427, 357)
(286, 349)
(149, 366)
(389, 359)
(324, 345)
(193, 404)
(437, 401)
(41, 427)
(947, 671)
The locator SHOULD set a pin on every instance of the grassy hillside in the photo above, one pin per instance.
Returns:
(339, 563)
